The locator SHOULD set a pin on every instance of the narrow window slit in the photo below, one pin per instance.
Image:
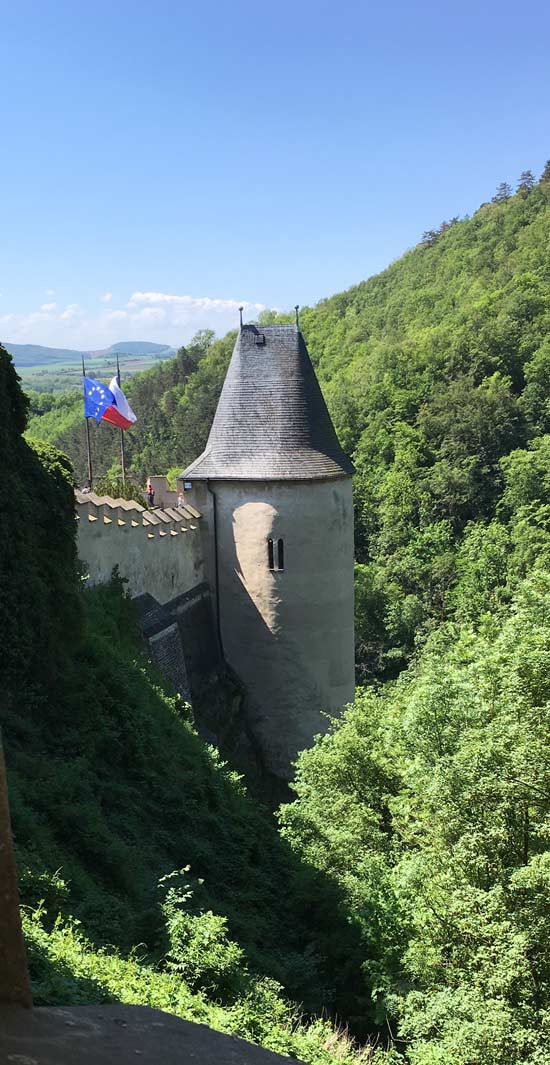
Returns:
(270, 554)
(280, 554)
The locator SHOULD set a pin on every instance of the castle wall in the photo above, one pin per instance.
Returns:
(157, 552)
(287, 634)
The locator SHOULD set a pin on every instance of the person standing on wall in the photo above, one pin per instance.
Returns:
(150, 494)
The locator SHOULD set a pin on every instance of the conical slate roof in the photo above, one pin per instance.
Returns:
(272, 422)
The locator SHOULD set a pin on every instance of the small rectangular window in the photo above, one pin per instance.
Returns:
(277, 563)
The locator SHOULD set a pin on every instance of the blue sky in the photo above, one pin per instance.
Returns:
(163, 162)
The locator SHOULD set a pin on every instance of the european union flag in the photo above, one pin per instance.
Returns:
(97, 399)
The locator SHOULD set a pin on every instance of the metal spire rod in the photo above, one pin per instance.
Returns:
(297, 308)
(241, 309)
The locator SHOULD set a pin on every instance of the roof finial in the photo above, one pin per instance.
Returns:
(241, 309)
(297, 308)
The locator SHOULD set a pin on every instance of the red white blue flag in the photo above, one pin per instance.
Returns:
(107, 404)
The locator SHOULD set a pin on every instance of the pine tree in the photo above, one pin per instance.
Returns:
(431, 236)
(526, 182)
(503, 193)
(545, 176)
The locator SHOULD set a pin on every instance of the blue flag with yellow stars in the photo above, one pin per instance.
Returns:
(97, 399)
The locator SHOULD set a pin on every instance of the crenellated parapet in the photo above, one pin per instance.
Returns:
(157, 551)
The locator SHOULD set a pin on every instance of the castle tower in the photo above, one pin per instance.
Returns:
(281, 531)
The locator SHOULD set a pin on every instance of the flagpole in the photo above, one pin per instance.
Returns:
(122, 455)
(87, 436)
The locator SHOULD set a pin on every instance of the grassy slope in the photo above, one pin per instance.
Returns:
(67, 969)
(112, 790)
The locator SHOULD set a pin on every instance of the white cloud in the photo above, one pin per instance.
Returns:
(72, 311)
(194, 304)
(158, 316)
(150, 314)
(106, 297)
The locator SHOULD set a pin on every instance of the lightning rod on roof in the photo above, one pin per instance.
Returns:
(297, 308)
(241, 309)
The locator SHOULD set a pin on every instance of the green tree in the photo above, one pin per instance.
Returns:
(503, 193)
(545, 176)
(526, 182)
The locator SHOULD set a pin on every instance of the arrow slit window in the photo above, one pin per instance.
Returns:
(275, 560)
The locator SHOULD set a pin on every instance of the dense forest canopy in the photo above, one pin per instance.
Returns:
(428, 806)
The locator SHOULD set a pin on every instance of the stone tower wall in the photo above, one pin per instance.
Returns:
(287, 634)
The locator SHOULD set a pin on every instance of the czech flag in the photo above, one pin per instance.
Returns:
(107, 404)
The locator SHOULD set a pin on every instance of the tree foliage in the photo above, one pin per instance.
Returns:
(37, 551)
(429, 806)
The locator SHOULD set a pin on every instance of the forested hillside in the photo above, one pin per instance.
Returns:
(434, 372)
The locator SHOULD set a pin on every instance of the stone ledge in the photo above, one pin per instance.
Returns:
(118, 1035)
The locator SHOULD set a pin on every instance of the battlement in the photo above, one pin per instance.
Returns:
(157, 551)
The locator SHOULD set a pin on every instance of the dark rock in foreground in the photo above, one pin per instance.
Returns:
(118, 1035)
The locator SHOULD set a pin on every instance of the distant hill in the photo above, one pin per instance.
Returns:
(27, 355)
(36, 355)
